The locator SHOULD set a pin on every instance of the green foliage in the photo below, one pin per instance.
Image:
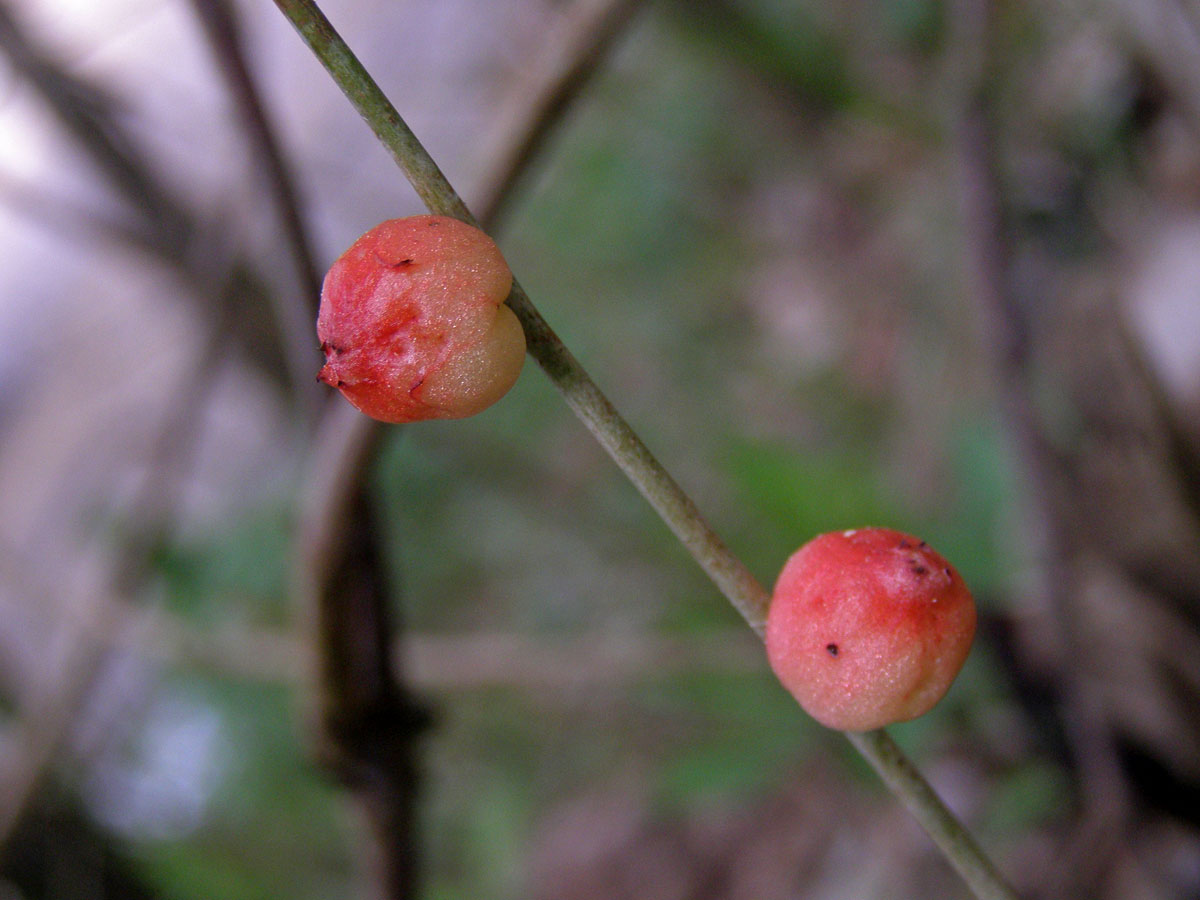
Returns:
(237, 570)
(727, 754)
(786, 43)
(515, 521)
(808, 493)
(186, 871)
(974, 532)
(795, 495)
(271, 828)
(919, 24)
(1030, 796)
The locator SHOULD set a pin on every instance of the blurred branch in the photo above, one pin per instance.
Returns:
(86, 114)
(1183, 452)
(46, 712)
(368, 723)
(989, 264)
(69, 219)
(53, 704)
(1167, 32)
(564, 370)
(675, 507)
(294, 313)
(163, 223)
(433, 662)
(224, 35)
(545, 89)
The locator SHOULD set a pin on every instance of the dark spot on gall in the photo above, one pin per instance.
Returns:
(948, 574)
(904, 545)
(920, 570)
(832, 649)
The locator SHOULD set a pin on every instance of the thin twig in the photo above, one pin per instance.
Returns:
(728, 572)
(581, 393)
(87, 115)
(352, 637)
(294, 311)
(162, 220)
(952, 838)
(573, 51)
(989, 262)
(49, 714)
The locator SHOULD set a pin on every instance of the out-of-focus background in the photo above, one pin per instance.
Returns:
(900, 262)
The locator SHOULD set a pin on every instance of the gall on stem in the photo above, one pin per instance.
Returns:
(868, 627)
(413, 322)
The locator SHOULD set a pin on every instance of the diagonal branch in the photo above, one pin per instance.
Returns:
(368, 725)
(577, 387)
(679, 512)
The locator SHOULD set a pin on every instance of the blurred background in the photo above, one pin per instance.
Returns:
(931, 265)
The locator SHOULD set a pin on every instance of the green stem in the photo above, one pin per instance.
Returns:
(654, 482)
(366, 97)
(951, 836)
(675, 507)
